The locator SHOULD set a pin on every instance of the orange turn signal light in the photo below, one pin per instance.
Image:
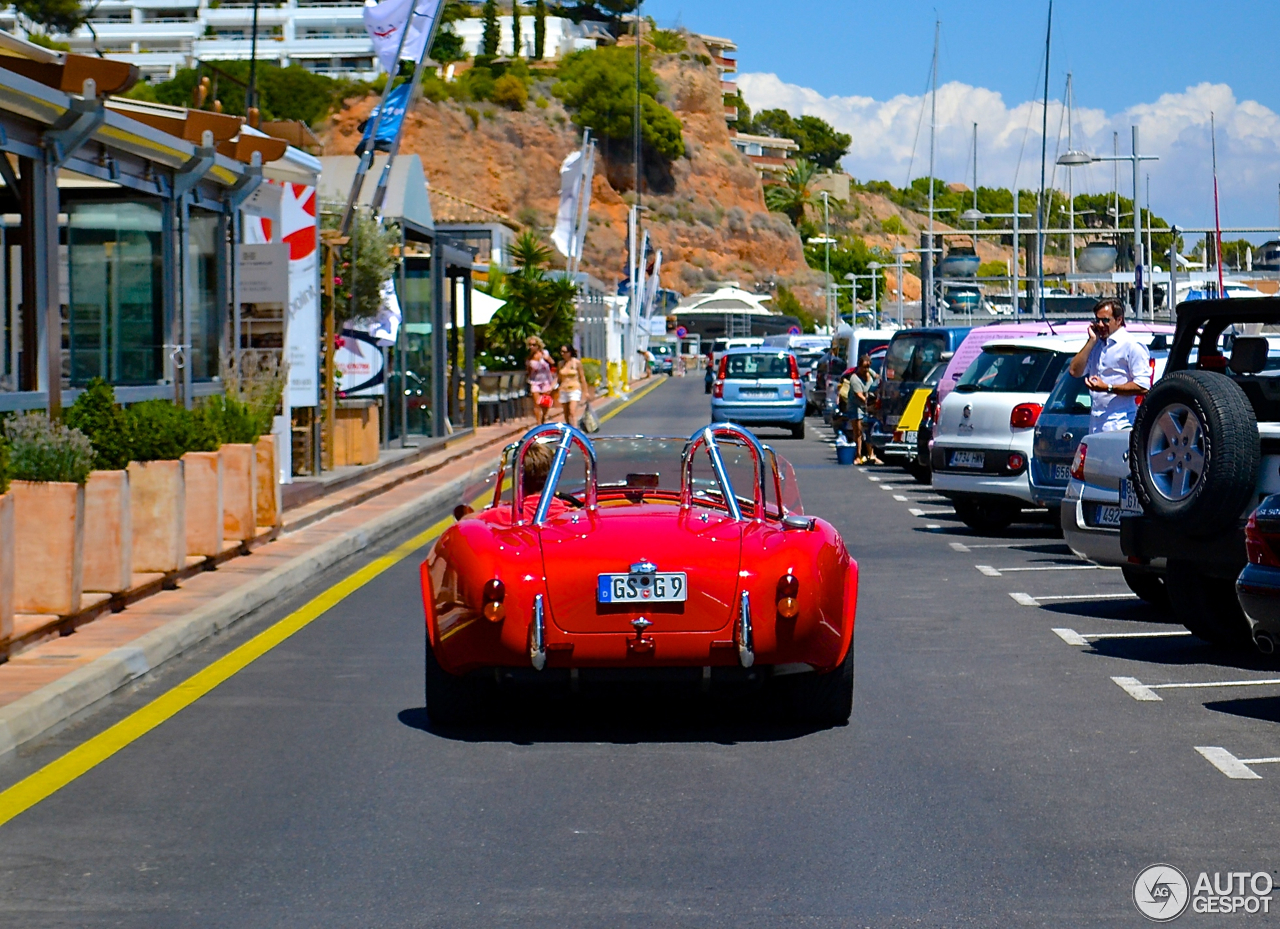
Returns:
(495, 593)
(788, 596)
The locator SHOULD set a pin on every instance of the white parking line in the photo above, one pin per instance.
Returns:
(872, 477)
(1071, 637)
(1140, 691)
(1008, 544)
(987, 570)
(916, 511)
(1027, 600)
(1233, 767)
(900, 498)
(1062, 567)
(932, 526)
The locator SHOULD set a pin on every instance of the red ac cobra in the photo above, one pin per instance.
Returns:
(634, 553)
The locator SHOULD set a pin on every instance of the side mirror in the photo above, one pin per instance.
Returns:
(461, 510)
(794, 521)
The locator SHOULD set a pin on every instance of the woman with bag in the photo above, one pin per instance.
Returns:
(542, 382)
(573, 384)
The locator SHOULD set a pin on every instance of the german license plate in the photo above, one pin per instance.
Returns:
(967, 459)
(1128, 499)
(670, 587)
(1108, 516)
(912, 436)
(1062, 472)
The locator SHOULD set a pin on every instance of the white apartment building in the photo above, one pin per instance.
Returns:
(324, 36)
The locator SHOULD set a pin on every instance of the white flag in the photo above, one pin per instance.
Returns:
(384, 22)
(584, 209)
(564, 235)
(651, 292)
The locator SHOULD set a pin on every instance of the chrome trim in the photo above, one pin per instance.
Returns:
(742, 634)
(568, 436)
(538, 636)
(707, 436)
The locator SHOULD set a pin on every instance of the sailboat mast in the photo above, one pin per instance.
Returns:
(1044, 151)
(926, 299)
(1217, 221)
(1071, 191)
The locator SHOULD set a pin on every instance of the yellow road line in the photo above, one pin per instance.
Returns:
(626, 403)
(63, 770)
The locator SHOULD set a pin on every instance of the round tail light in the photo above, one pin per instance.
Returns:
(495, 592)
(788, 596)
(1016, 461)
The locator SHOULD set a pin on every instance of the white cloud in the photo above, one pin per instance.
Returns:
(1175, 127)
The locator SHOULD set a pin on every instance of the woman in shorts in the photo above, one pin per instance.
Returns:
(573, 384)
(542, 380)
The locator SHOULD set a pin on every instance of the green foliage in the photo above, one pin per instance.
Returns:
(529, 254)
(539, 29)
(786, 303)
(536, 303)
(447, 45)
(667, 41)
(850, 256)
(591, 371)
(257, 386)
(541, 102)
(109, 428)
(5, 467)
(893, 225)
(375, 247)
(61, 16)
(598, 86)
(230, 420)
(793, 194)
(517, 30)
(143, 91)
(284, 93)
(44, 41)
(165, 431)
(491, 38)
(818, 140)
(993, 269)
(509, 91)
(477, 83)
(474, 115)
(43, 450)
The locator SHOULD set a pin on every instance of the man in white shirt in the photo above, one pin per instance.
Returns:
(1116, 367)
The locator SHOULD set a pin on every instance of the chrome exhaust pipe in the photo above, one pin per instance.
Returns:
(1265, 643)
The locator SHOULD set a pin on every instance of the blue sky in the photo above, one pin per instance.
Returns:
(1163, 66)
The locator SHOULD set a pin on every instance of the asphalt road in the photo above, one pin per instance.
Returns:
(993, 773)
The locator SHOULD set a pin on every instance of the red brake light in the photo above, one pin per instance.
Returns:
(1024, 415)
(788, 596)
(930, 408)
(1077, 465)
(1258, 546)
(717, 389)
(798, 385)
(494, 594)
(724, 367)
(795, 369)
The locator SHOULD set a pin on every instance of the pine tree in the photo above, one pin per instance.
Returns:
(492, 35)
(516, 31)
(539, 29)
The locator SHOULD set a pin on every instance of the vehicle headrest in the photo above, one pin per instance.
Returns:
(1249, 354)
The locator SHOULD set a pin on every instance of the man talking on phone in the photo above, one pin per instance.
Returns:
(1116, 367)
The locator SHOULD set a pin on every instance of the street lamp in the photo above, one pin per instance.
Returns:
(826, 235)
(976, 216)
(875, 267)
(1076, 158)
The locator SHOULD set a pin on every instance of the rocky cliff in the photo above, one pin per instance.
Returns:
(710, 220)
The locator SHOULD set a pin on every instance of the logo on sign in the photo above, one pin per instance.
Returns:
(1161, 892)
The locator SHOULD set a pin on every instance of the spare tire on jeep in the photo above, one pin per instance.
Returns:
(1194, 452)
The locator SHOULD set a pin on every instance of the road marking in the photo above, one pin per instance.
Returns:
(1027, 600)
(916, 511)
(1136, 689)
(605, 417)
(987, 570)
(934, 527)
(1018, 544)
(1071, 637)
(1063, 567)
(1233, 767)
(958, 546)
(900, 498)
(872, 478)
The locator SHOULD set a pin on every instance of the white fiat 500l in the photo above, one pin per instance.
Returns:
(985, 430)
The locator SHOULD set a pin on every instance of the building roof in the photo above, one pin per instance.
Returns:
(727, 298)
(406, 197)
(712, 41)
(767, 141)
(450, 208)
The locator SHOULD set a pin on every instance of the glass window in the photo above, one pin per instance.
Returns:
(205, 319)
(1069, 396)
(910, 358)
(1012, 370)
(116, 294)
(413, 390)
(776, 365)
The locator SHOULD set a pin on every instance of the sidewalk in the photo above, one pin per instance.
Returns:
(54, 680)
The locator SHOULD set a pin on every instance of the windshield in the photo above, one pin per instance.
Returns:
(1069, 397)
(1013, 370)
(759, 364)
(910, 358)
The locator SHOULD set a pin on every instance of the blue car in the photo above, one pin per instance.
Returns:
(759, 387)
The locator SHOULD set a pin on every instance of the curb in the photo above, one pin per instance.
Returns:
(31, 716)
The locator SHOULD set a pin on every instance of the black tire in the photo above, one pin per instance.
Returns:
(797, 431)
(1207, 606)
(825, 699)
(1148, 586)
(453, 700)
(920, 473)
(984, 517)
(1227, 452)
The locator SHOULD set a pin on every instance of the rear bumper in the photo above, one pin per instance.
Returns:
(759, 413)
(952, 483)
(1146, 538)
(1258, 590)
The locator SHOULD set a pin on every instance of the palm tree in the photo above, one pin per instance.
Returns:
(793, 194)
(529, 254)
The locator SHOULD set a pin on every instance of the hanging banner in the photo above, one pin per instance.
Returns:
(564, 236)
(386, 20)
(389, 125)
(358, 359)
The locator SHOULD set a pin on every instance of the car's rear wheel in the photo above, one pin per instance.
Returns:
(1206, 605)
(982, 516)
(797, 431)
(453, 700)
(825, 699)
(921, 473)
(1149, 587)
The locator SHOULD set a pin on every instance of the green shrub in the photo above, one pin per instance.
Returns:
(474, 116)
(591, 371)
(509, 91)
(5, 467)
(541, 102)
(893, 225)
(43, 450)
(667, 41)
(230, 420)
(108, 426)
(478, 83)
(599, 87)
(164, 431)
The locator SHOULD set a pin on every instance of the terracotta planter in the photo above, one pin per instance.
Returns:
(48, 543)
(268, 490)
(108, 532)
(157, 501)
(6, 567)
(239, 487)
(202, 474)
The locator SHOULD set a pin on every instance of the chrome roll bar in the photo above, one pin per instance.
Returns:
(568, 437)
(707, 436)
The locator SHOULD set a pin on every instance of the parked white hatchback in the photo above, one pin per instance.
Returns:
(985, 430)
